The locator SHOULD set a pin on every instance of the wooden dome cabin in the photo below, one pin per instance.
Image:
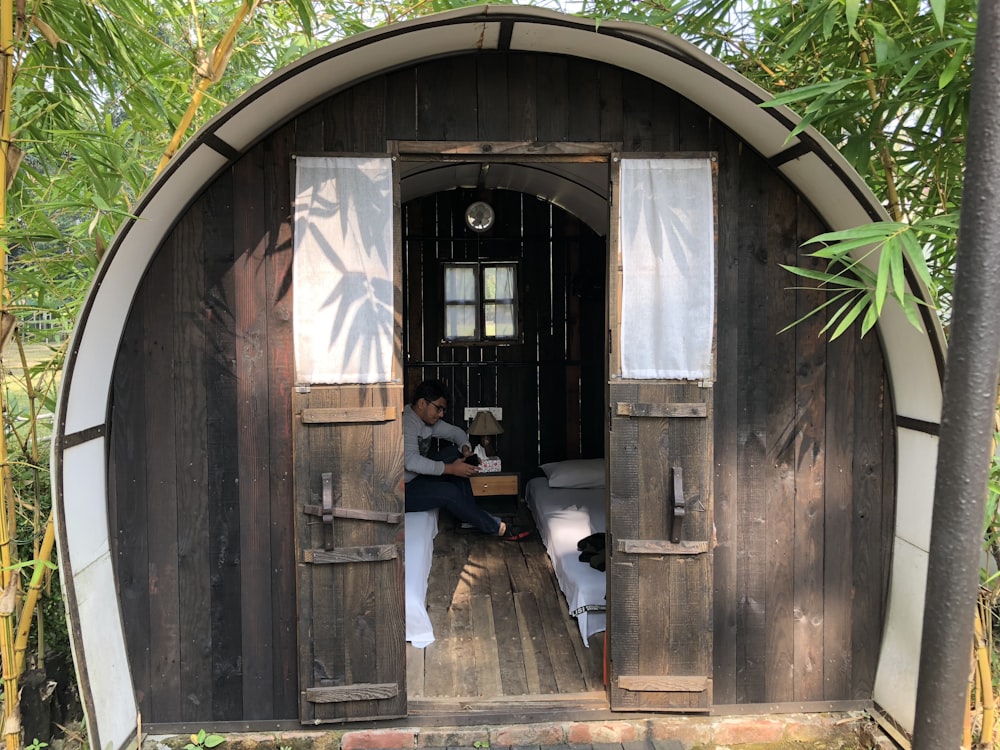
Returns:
(228, 458)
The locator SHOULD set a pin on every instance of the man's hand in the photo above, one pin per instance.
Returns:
(458, 468)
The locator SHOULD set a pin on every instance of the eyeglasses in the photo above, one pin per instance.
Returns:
(439, 407)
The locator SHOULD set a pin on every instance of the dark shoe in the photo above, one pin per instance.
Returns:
(516, 534)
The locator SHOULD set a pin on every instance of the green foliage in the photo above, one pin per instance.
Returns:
(202, 740)
(855, 286)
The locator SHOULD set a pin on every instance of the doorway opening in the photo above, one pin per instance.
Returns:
(502, 625)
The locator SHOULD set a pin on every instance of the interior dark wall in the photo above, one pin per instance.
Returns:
(550, 382)
(200, 466)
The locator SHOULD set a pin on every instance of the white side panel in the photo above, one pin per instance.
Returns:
(915, 487)
(832, 198)
(84, 505)
(899, 661)
(110, 680)
(99, 653)
(916, 389)
(119, 276)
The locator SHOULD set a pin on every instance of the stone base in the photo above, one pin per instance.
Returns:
(833, 731)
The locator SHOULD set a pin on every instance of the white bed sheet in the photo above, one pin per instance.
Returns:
(564, 517)
(421, 528)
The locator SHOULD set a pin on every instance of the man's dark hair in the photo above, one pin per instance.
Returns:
(430, 390)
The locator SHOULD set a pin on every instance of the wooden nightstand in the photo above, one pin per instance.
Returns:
(495, 490)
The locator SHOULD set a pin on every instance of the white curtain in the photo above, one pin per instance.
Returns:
(667, 234)
(342, 270)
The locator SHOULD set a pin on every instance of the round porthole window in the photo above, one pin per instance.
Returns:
(479, 216)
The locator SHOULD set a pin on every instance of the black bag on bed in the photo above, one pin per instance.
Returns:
(592, 550)
(598, 561)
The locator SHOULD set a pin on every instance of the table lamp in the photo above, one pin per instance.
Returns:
(485, 427)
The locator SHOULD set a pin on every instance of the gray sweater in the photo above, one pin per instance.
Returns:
(417, 435)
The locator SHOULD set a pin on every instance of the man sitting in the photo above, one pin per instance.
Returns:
(441, 480)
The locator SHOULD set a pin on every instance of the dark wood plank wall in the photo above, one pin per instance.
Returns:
(199, 457)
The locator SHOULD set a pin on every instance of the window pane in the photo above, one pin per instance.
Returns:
(499, 321)
(459, 284)
(505, 282)
(498, 283)
(489, 282)
(460, 322)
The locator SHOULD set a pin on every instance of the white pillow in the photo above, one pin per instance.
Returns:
(578, 473)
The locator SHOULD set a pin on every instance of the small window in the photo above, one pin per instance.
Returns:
(480, 302)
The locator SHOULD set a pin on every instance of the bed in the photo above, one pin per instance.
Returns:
(564, 516)
(421, 528)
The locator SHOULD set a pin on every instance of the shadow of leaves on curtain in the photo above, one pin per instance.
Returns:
(362, 297)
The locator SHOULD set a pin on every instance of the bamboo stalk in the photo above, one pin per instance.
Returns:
(38, 551)
(34, 590)
(888, 163)
(208, 73)
(11, 724)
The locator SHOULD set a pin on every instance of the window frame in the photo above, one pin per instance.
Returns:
(480, 303)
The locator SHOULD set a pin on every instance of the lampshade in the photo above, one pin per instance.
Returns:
(485, 424)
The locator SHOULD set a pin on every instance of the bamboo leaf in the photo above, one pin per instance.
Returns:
(912, 313)
(875, 230)
(882, 280)
(851, 11)
(916, 256)
(851, 316)
(870, 319)
(305, 12)
(804, 93)
(894, 249)
(837, 314)
(815, 310)
(952, 68)
(840, 249)
(938, 7)
(823, 276)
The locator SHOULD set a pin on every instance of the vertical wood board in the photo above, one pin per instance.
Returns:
(161, 485)
(253, 430)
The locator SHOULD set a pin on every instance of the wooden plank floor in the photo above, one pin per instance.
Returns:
(501, 628)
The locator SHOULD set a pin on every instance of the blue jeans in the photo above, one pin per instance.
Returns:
(454, 494)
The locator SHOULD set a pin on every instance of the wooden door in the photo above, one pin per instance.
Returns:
(660, 521)
(348, 441)
(352, 625)
(659, 575)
